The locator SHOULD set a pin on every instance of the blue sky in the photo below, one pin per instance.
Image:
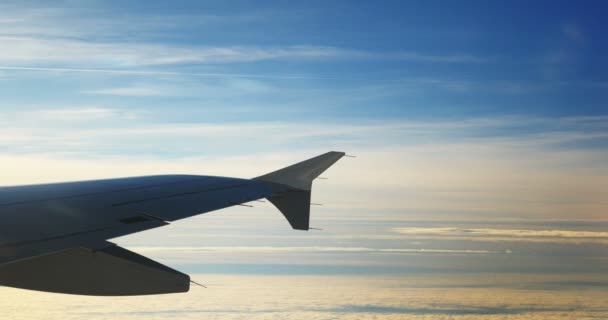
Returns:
(480, 130)
(406, 59)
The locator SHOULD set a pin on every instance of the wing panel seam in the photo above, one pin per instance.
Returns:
(118, 204)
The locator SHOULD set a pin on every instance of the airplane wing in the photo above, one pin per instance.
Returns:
(53, 237)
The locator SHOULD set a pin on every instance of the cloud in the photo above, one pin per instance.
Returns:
(37, 54)
(132, 91)
(358, 310)
(77, 114)
(159, 73)
(228, 86)
(27, 51)
(515, 132)
(505, 232)
(488, 234)
(307, 297)
(94, 20)
(46, 37)
(438, 309)
(328, 250)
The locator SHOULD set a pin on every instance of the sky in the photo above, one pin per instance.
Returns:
(479, 187)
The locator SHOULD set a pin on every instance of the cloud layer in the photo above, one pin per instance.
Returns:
(337, 297)
(557, 236)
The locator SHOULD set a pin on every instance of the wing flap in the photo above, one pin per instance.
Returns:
(111, 271)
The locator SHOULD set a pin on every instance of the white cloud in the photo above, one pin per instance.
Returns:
(268, 249)
(505, 232)
(152, 72)
(75, 114)
(38, 52)
(20, 51)
(133, 91)
(489, 234)
(229, 86)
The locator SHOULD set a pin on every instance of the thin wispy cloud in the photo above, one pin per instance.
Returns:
(525, 134)
(308, 250)
(33, 52)
(45, 30)
(74, 55)
(56, 21)
(133, 91)
(487, 234)
(158, 73)
(78, 114)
